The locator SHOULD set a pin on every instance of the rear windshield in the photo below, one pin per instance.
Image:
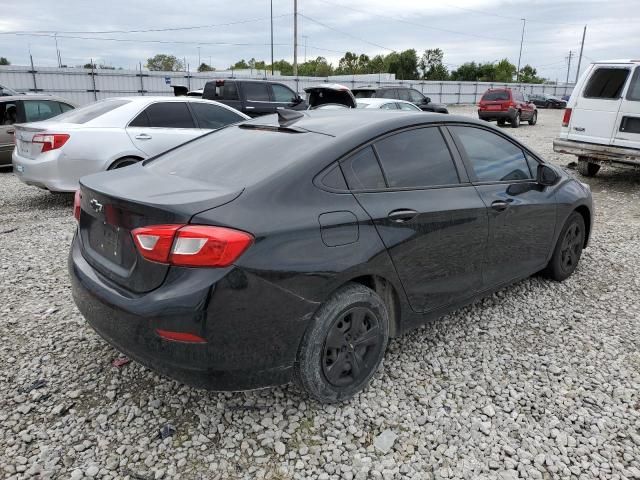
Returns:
(362, 93)
(606, 83)
(236, 156)
(493, 96)
(90, 112)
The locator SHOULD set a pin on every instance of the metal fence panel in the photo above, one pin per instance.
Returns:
(83, 85)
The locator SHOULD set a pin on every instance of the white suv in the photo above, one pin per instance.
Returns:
(601, 123)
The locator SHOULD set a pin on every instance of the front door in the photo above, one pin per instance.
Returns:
(627, 131)
(429, 217)
(8, 116)
(161, 126)
(257, 98)
(522, 213)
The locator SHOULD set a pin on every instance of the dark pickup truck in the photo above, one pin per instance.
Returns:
(253, 97)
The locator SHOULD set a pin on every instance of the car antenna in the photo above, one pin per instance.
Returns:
(288, 117)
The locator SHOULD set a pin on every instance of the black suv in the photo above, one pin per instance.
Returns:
(402, 93)
(253, 97)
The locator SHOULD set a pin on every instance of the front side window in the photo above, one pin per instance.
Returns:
(493, 158)
(606, 83)
(634, 87)
(282, 93)
(213, 116)
(362, 171)
(165, 115)
(417, 158)
(257, 92)
(388, 93)
(38, 110)
(415, 96)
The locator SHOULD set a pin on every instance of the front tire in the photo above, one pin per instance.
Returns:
(515, 123)
(344, 345)
(587, 168)
(568, 249)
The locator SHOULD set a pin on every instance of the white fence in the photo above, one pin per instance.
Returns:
(87, 85)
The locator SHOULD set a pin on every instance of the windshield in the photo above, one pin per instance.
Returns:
(493, 96)
(237, 157)
(90, 112)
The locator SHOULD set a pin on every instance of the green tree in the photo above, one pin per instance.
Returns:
(505, 71)
(164, 63)
(467, 72)
(4, 61)
(376, 65)
(404, 64)
(282, 66)
(318, 67)
(528, 74)
(205, 68)
(431, 65)
(240, 65)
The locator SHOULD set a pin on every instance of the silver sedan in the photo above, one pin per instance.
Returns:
(110, 134)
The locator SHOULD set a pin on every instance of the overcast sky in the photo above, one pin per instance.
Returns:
(480, 30)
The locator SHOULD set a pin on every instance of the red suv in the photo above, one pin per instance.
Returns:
(507, 104)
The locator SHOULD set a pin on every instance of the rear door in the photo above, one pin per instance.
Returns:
(627, 131)
(522, 214)
(594, 115)
(257, 98)
(161, 126)
(8, 116)
(430, 218)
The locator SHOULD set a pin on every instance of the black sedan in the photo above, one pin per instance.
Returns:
(546, 101)
(294, 246)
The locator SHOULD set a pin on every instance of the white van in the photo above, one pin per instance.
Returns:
(601, 123)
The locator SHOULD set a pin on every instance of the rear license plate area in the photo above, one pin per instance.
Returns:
(106, 240)
(493, 107)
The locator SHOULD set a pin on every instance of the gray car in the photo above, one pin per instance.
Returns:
(23, 109)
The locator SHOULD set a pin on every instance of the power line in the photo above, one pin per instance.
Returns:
(168, 29)
(345, 33)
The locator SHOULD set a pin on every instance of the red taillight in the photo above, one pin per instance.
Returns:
(77, 199)
(566, 118)
(50, 141)
(191, 245)
(180, 336)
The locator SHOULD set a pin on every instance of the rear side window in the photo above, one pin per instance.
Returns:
(8, 113)
(362, 171)
(213, 116)
(91, 112)
(606, 83)
(389, 106)
(65, 107)
(634, 87)
(493, 158)
(403, 94)
(501, 96)
(37, 110)
(388, 93)
(363, 93)
(258, 92)
(165, 115)
(417, 158)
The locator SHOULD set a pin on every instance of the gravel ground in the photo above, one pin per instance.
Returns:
(538, 381)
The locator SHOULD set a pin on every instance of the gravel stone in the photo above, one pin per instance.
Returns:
(540, 380)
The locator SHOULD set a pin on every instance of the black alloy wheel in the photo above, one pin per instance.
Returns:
(568, 250)
(344, 344)
(351, 346)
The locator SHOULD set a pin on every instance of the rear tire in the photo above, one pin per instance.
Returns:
(123, 162)
(568, 249)
(534, 118)
(587, 168)
(515, 123)
(344, 345)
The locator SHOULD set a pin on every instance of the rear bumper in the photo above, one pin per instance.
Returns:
(508, 115)
(252, 329)
(598, 153)
(43, 172)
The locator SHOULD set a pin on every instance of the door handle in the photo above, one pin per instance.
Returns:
(402, 215)
(249, 108)
(143, 136)
(501, 205)
(11, 132)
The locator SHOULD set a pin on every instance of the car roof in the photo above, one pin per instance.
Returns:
(38, 96)
(381, 101)
(618, 61)
(380, 87)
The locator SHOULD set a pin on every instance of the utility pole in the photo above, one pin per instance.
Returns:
(295, 38)
(584, 34)
(524, 22)
(272, 38)
(199, 57)
(569, 66)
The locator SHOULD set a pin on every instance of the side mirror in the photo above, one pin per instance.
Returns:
(297, 99)
(546, 175)
(426, 100)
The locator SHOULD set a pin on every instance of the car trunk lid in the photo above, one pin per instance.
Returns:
(331, 93)
(115, 203)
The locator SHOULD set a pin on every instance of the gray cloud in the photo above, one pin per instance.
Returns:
(480, 30)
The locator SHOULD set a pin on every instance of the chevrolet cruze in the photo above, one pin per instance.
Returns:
(292, 247)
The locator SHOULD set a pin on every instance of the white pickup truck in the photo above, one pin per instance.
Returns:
(601, 124)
